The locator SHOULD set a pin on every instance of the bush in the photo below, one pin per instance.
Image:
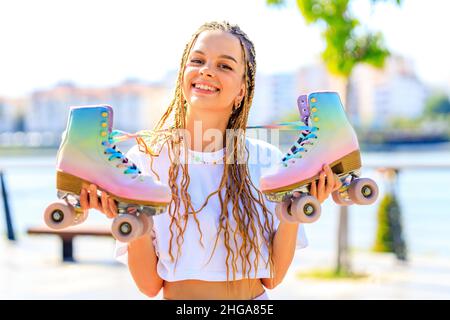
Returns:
(389, 236)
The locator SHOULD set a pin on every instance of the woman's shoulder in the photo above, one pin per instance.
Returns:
(138, 152)
(262, 152)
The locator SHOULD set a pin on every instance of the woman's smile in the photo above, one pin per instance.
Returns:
(204, 88)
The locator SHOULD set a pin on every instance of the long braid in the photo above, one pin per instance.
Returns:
(235, 186)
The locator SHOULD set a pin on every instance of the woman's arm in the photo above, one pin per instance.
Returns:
(142, 259)
(285, 239)
(284, 244)
(142, 262)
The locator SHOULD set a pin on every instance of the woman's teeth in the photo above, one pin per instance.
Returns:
(205, 87)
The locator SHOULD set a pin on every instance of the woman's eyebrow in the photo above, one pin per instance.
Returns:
(225, 56)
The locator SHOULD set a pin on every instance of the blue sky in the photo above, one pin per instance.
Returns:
(97, 43)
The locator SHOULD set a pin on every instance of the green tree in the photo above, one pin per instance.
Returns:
(348, 43)
(437, 104)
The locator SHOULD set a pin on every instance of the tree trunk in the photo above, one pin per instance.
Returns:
(343, 265)
(343, 261)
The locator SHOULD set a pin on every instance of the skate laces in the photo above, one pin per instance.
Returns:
(307, 133)
(110, 148)
(296, 150)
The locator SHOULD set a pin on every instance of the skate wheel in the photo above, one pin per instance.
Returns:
(306, 209)
(147, 223)
(59, 215)
(126, 227)
(339, 200)
(363, 191)
(281, 210)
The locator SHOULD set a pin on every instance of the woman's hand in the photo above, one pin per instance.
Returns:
(328, 182)
(90, 200)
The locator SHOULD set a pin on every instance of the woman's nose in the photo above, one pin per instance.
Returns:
(206, 71)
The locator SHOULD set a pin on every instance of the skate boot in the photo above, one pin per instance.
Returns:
(88, 154)
(327, 137)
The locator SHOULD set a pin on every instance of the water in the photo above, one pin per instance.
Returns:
(424, 196)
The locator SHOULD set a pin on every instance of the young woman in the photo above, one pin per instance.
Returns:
(219, 238)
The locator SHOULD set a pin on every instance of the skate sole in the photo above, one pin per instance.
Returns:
(66, 182)
(350, 162)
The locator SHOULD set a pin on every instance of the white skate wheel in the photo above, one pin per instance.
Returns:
(281, 210)
(126, 227)
(59, 215)
(339, 200)
(306, 209)
(363, 191)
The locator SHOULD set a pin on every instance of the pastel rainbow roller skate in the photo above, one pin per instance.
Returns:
(326, 137)
(88, 154)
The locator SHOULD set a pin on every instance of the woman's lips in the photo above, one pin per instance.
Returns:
(203, 91)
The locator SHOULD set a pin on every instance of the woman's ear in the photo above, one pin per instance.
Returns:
(241, 94)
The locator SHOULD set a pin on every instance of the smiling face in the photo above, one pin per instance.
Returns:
(213, 75)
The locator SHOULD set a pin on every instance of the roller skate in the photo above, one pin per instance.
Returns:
(88, 154)
(326, 137)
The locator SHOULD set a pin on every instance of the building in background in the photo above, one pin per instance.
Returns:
(7, 116)
(136, 105)
(275, 96)
(378, 96)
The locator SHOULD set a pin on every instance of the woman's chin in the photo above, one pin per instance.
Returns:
(207, 107)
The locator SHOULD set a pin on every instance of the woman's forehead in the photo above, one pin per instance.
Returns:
(218, 42)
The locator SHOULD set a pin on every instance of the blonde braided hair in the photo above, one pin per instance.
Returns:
(235, 179)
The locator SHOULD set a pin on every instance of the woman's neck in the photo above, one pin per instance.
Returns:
(206, 130)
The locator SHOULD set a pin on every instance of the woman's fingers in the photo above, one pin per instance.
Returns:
(105, 205)
(90, 200)
(112, 207)
(313, 189)
(321, 186)
(93, 198)
(84, 203)
(327, 183)
(330, 180)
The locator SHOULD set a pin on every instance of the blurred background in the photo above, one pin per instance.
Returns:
(387, 59)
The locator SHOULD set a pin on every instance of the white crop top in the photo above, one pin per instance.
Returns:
(205, 171)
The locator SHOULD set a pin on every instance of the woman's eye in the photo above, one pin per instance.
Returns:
(196, 61)
(225, 66)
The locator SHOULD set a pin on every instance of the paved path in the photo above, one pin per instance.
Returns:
(31, 269)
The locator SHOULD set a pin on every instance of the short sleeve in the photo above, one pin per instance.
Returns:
(302, 240)
(121, 252)
(121, 249)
